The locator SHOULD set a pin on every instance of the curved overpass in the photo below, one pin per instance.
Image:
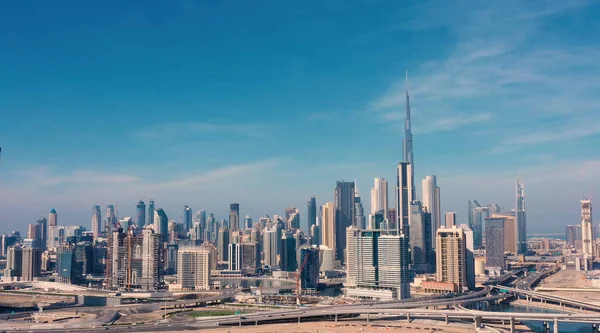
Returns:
(544, 297)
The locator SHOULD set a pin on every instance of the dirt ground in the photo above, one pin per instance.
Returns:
(567, 279)
(572, 279)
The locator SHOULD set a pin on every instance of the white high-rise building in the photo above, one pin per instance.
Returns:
(235, 257)
(96, 221)
(379, 196)
(150, 259)
(270, 247)
(520, 227)
(587, 230)
(376, 259)
(431, 201)
(193, 265)
(328, 226)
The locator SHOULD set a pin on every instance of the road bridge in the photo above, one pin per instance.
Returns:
(531, 295)
(478, 317)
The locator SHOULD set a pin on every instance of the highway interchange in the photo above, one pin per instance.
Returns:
(439, 307)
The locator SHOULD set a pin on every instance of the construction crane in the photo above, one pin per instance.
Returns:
(298, 283)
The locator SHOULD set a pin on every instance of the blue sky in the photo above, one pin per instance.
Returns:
(269, 102)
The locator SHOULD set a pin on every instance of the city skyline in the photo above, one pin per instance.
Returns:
(482, 110)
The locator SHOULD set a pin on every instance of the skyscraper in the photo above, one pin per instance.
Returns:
(66, 267)
(451, 256)
(234, 216)
(193, 271)
(520, 220)
(470, 256)
(236, 256)
(150, 259)
(573, 235)
(288, 254)
(404, 195)
(587, 229)
(311, 212)
(111, 217)
(494, 244)
(223, 244)
(52, 218)
(43, 229)
(96, 221)
(151, 211)
(359, 213)
(344, 215)
(420, 238)
(270, 243)
(378, 259)
(141, 214)
(328, 230)
(32, 263)
(187, 217)
(379, 196)
(407, 144)
(309, 276)
(161, 224)
(248, 222)
(292, 216)
(431, 201)
(475, 222)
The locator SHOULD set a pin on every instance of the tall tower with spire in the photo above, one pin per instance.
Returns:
(359, 214)
(521, 219)
(407, 143)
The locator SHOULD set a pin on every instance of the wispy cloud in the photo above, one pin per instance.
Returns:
(47, 176)
(204, 128)
(500, 64)
(452, 122)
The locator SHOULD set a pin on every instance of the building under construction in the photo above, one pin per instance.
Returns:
(124, 264)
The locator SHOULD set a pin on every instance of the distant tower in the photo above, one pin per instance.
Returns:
(248, 222)
(52, 218)
(587, 229)
(407, 144)
(234, 216)
(187, 218)
(344, 214)
(161, 224)
(521, 220)
(270, 243)
(141, 214)
(111, 216)
(151, 211)
(328, 226)
(431, 201)
(96, 221)
(311, 213)
(379, 196)
(359, 213)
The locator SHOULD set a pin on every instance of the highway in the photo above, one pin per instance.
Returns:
(530, 294)
(436, 307)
